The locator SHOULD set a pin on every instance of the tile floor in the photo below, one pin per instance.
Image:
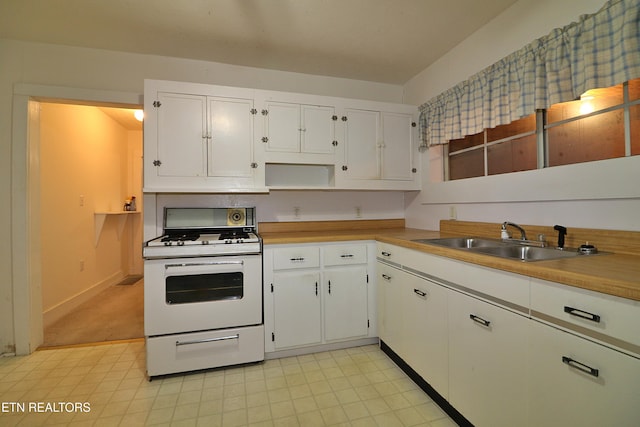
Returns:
(352, 387)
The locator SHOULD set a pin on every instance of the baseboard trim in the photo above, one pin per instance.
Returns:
(58, 311)
(426, 387)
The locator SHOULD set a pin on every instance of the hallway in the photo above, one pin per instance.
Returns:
(116, 313)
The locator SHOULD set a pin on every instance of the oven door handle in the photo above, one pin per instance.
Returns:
(229, 337)
(197, 264)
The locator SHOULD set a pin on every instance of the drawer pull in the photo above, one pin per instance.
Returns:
(346, 256)
(480, 320)
(386, 277)
(580, 366)
(582, 314)
(387, 254)
(420, 293)
(229, 337)
(299, 259)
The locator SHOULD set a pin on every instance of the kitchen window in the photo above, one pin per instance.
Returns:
(602, 124)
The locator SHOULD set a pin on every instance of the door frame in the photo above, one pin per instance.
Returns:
(25, 198)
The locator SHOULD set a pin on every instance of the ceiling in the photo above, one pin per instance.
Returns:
(123, 116)
(387, 41)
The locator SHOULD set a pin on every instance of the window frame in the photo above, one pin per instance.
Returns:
(542, 137)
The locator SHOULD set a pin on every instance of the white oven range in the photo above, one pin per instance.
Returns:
(203, 291)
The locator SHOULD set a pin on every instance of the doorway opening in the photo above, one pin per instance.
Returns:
(90, 204)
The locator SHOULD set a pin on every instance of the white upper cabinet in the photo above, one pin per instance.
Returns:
(199, 138)
(295, 128)
(181, 124)
(206, 138)
(379, 149)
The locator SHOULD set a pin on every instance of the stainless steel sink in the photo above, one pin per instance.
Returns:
(527, 253)
(515, 249)
(462, 242)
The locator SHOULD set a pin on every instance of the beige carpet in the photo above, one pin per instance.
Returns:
(116, 313)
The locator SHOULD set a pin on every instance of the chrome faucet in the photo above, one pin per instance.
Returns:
(523, 234)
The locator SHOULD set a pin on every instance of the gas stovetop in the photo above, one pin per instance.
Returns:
(212, 238)
(191, 232)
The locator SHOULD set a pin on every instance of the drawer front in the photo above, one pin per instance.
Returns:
(203, 350)
(589, 313)
(344, 254)
(296, 257)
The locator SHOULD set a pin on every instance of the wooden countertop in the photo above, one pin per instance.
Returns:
(612, 273)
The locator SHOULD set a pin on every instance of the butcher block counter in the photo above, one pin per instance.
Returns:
(616, 272)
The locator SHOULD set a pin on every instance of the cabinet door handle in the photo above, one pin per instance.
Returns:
(420, 293)
(386, 277)
(316, 288)
(346, 256)
(479, 320)
(299, 259)
(329, 287)
(385, 253)
(580, 366)
(582, 314)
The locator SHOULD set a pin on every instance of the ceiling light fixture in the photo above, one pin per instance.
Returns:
(138, 114)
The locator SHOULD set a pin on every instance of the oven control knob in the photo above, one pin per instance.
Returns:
(227, 241)
(205, 242)
(180, 242)
(167, 243)
(239, 241)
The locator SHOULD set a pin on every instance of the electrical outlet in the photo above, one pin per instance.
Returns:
(358, 212)
(296, 212)
(81, 265)
(452, 212)
(81, 201)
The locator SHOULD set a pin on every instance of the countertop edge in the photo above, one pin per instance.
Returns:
(558, 271)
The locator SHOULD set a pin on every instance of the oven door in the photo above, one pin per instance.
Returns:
(197, 294)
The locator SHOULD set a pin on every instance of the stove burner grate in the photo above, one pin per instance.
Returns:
(180, 237)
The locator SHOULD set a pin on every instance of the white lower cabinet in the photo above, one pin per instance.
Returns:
(345, 296)
(506, 350)
(574, 381)
(391, 324)
(487, 365)
(296, 303)
(426, 330)
(317, 294)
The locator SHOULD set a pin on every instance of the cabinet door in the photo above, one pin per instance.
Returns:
(182, 123)
(396, 146)
(282, 125)
(362, 144)
(577, 382)
(425, 307)
(487, 362)
(390, 310)
(317, 130)
(345, 298)
(231, 137)
(296, 304)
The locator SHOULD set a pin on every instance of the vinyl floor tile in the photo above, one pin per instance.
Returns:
(106, 385)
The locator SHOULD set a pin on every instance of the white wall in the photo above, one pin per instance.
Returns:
(592, 195)
(117, 75)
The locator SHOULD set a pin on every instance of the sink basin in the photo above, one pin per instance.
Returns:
(526, 253)
(462, 242)
(516, 250)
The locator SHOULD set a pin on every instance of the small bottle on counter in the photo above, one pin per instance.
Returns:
(132, 204)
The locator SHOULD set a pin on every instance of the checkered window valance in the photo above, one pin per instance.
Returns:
(600, 50)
